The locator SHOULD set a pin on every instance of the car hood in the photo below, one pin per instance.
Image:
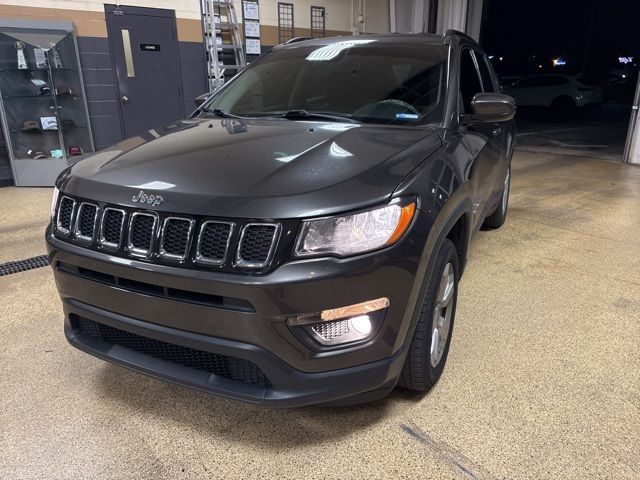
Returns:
(255, 169)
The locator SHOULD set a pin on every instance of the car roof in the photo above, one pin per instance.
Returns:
(420, 38)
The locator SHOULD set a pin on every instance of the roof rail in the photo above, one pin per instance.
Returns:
(297, 39)
(451, 32)
(289, 42)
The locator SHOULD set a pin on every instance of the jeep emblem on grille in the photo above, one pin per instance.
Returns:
(153, 200)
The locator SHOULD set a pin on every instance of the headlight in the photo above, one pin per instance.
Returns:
(357, 233)
(54, 202)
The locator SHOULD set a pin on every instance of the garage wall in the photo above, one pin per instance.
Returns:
(93, 45)
(412, 16)
(89, 21)
(376, 16)
(88, 15)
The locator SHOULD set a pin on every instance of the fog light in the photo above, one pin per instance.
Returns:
(338, 332)
(361, 324)
(343, 325)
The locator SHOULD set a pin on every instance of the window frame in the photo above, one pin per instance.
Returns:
(282, 29)
(483, 58)
(316, 32)
(471, 51)
(448, 108)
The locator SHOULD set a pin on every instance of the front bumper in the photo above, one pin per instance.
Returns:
(297, 374)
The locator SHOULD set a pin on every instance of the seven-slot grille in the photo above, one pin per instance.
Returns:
(213, 242)
(65, 214)
(141, 232)
(151, 236)
(112, 227)
(86, 221)
(257, 243)
(176, 234)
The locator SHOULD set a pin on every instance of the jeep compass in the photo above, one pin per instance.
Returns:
(299, 239)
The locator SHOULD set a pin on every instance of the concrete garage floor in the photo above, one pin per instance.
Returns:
(543, 378)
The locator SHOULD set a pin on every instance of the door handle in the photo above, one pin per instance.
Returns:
(496, 131)
(125, 99)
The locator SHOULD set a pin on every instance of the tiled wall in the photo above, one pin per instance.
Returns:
(102, 93)
(5, 168)
(193, 67)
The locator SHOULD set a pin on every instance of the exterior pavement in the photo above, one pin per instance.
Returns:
(597, 134)
(543, 377)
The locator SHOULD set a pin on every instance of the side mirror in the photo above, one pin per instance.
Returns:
(202, 98)
(491, 107)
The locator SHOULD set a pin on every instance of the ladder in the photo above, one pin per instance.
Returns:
(222, 41)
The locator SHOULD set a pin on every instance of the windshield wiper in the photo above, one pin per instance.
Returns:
(305, 115)
(219, 113)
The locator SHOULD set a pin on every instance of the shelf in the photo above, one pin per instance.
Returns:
(13, 97)
(18, 104)
(50, 97)
(38, 70)
(42, 132)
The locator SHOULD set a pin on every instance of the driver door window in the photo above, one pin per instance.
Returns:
(469, 81)
(488, 84)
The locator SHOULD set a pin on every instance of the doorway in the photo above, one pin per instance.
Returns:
(144, 49)
(572, 67)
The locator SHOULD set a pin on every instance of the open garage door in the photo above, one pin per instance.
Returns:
(572, 67)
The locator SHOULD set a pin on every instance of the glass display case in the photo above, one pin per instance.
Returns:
(43, 105)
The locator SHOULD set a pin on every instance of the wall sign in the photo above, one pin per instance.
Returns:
(252, 28)
(150, 47)
(250, 10)
(251, 23)
(253, 46)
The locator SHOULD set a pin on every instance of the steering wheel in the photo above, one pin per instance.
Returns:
(400, 103)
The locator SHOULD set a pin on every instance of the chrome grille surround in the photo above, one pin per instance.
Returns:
(102, 240)
(65, 230)
(172, 256)
(77, 232)
(225, 244)
(200, 258)
(137, 251)
(239, 261)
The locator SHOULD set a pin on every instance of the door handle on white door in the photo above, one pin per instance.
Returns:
(125, 99)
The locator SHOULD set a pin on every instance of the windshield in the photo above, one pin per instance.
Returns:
(363, 80)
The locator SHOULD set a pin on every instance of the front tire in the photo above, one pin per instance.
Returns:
(497, 218)
(430, 343)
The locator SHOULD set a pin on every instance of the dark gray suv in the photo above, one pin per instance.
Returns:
(299, 239)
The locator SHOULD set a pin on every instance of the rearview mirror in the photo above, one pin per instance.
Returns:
(202, 98)
(491, 107)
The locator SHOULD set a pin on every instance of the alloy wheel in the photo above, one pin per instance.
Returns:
(505, 191)
(442, 314)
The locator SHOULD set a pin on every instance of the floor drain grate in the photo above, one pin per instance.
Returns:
(23, 265)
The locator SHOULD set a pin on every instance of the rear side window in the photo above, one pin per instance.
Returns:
(469, 80)
(485, 74)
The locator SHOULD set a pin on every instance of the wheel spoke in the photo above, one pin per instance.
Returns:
(505, 191)
(446, 286)
(442, 313)
(435, 346)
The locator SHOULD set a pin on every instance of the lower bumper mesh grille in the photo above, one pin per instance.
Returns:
(224, 366)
